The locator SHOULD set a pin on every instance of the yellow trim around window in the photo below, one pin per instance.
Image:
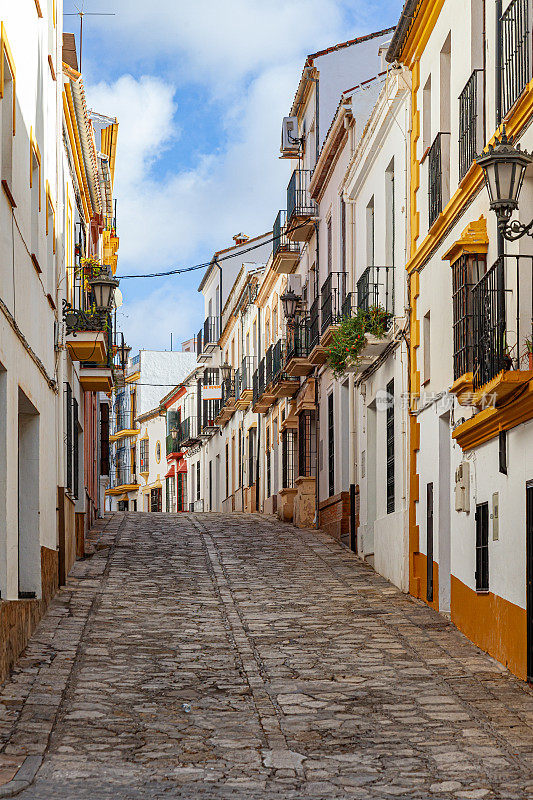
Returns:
(5, 50)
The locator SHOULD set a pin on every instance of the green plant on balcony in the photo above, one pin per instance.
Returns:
(349, 340)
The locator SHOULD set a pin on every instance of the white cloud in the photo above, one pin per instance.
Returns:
(245, 57)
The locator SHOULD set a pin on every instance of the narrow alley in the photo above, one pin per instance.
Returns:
(214, 656)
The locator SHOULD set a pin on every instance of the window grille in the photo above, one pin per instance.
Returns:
(390, 447)
(251, 457)
(288, 458)
(466, 272)
(68, 411)
(468, 122)
(482, 547)
(514, 40)
(267, 457)
(75, 450)
(144, 457)
(306, 444)
(227, 469)
(104, 439)
(331, 447)
(435, 178)
(198, 486)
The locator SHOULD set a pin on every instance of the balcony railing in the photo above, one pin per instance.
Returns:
(298, 338)
(210, 411)
(469, 127)
(299, 202)
(436, 159)
(349, 307)
(281, 242)
(261, 377)
(199, 342)
(314, 323)
(269, 372)
(244, 379)
(513, 39)
(173, 442)
(374, 288)
(332, 296)
(188, 431)
(228, 390)
(210, 331)
(502, 319)
(278, 359)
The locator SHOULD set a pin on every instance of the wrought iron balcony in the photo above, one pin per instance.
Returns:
(349, 307)
(173, 441)
(199, 342)
(332, 296)
(228, 391)
(374, 288)
(269, 366)
(298, 338)
(502, 322)
(314, 323)
(301, 208)
(244, 382)
(285, 253)
(210, 333)
(188, 432)
(514, 42)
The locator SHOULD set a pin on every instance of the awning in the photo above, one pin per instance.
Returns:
(182, 466)
(171, 472)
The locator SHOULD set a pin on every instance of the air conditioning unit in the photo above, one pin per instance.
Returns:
(290, 143)
(462, 487)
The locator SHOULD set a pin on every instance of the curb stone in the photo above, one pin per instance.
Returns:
(24, 777)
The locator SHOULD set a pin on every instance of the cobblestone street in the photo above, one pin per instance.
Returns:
(213, 656)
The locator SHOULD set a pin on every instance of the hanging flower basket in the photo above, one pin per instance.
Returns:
(355, 335)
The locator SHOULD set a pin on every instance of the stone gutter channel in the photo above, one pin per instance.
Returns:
(31, 698)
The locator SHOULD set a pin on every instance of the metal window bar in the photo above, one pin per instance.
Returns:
(514, 39)
(349, 307)
(306, 444)
(187, 432)
(104, 439)
(269, 365)
(144, 465)
(211, 410)
(288, 458)
(68, 410)
(247, 372)
(299, 202)
(482, 547)
(210, 377)
(435, 179)
(488, 297)
(466, 272)
(468, 120)
(278, 360)
(255, 386)
(314, 323)
(331, 447)
(199, 343)
(281, 242)
(332, 296)
(75, 450)
(261, 377)
(389, 424)
(298, 338)
(251, 457)
(374, 288)
(210, 331)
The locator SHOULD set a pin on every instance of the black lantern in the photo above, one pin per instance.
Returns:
(225, 370)
(103, 286)
(290, 302)
(504, 167)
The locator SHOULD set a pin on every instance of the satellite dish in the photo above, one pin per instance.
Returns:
(118, 298)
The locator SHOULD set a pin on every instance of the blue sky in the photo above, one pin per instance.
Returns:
(199, 90)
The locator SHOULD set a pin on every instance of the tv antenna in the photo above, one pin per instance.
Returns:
(81, 14)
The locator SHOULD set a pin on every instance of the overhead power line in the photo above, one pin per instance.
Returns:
(180, 270)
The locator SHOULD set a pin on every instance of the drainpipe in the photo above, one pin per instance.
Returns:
(258, 444)
(498, 10)
(352, 455)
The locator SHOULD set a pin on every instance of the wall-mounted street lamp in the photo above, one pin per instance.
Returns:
(290, 302)
(225, 370)
(504, 167)
(103, 286)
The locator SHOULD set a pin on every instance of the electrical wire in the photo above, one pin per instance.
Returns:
(180, 270)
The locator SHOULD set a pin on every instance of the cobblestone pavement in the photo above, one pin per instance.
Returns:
(230, 656)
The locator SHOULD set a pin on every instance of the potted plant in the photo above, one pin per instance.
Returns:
(529, 352)
(353, 335)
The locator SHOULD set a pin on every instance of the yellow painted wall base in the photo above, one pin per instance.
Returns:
(493, 624)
